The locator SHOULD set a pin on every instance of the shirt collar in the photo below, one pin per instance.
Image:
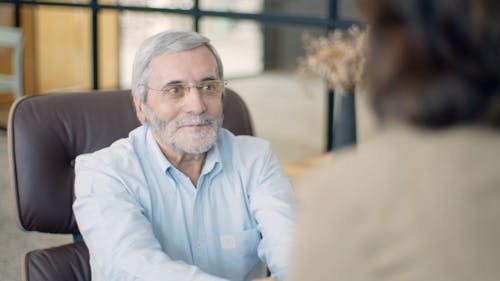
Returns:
(213, 162)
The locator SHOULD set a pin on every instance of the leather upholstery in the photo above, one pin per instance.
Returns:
(237, 118)
(63, 263)
(46, 133)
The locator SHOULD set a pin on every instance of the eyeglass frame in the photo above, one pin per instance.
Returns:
(187, 87)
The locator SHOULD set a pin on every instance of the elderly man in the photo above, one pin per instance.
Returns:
(182, 198)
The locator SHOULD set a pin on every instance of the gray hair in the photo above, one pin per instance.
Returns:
(166, 42)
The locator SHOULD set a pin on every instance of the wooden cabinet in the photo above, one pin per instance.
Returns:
(58, 48)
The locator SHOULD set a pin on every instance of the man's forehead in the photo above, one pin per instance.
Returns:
(197, 63)
(201, 52)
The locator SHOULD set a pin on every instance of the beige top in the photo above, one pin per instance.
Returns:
(405, 205)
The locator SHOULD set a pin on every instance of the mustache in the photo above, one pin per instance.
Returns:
(194, 120)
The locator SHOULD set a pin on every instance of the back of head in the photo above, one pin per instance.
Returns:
(434, 63)
(167, 42)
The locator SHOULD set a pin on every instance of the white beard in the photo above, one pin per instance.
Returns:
(185, 139)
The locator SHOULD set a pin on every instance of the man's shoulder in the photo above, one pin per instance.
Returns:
(243, 144)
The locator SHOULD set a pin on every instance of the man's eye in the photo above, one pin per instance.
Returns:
(208, 87)
(172, 90)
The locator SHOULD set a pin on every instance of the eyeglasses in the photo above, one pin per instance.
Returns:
(207, 89)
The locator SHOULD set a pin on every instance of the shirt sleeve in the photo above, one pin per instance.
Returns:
(119, 236)
(272, 204)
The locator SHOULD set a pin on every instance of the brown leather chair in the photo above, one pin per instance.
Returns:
(45, 134)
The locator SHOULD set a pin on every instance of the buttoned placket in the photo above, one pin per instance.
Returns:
(193, 210)
(199, 231)
(199, 246)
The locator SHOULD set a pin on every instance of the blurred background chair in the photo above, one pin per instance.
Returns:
(45, 134)
(12, 37)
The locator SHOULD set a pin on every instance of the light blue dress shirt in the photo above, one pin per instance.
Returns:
(142, 219)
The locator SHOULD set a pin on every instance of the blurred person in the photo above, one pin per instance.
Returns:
(420, 200)
(182, 198)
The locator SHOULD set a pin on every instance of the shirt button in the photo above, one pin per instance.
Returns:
(198, 244)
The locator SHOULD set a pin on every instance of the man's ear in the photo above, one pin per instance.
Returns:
(139, 110)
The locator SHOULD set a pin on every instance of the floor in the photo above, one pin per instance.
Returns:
(287, 110)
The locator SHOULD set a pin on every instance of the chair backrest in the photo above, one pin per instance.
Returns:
(12, 37)
(45, 135)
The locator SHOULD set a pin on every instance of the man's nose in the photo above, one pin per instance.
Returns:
(194, 102)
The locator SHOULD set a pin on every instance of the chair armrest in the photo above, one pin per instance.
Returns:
(69, 262)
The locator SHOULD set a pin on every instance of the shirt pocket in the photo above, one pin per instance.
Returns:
(240, 252)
